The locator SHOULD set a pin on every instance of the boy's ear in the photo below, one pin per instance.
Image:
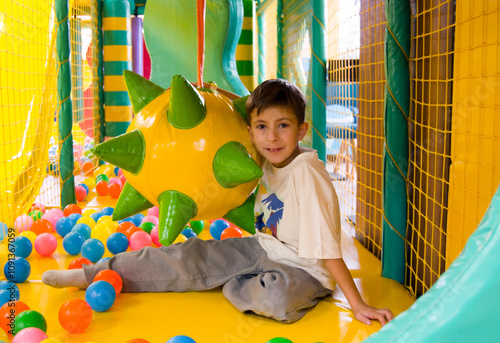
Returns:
(303, 130)
(250, 132)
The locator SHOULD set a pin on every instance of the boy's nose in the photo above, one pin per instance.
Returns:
(272, 136)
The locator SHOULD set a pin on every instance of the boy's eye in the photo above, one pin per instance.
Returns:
(283, 125)
(261, 126)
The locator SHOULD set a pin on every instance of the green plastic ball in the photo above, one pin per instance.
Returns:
(147, 226)
(30, 319)
(197, 226)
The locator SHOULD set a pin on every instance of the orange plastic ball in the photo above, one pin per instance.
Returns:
(112, 277)
(5, 312)
(78, 262)
(231, 232)
(42, 226)
(137, 340)
(72, 208)
(87, 168)
(115, 190)
(123, 227)
(75, 315)
(102, 188)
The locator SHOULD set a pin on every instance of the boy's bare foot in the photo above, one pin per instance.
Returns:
(65, 278)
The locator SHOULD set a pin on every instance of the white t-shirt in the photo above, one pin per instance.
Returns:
(298, 204)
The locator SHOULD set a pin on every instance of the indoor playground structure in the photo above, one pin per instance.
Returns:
(123, 125)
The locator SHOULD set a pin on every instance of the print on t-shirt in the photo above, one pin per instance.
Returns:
(272, 207)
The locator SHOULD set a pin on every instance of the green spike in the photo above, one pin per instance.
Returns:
(243, 216)
(240, 106)
(187, 106)
(140, 90)
(233, 165)
(176, 209)
(126, 151)
(129, 203)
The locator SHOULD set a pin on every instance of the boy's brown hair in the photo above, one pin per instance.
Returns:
(277, 93)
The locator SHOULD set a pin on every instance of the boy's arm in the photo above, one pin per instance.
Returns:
(362, 312)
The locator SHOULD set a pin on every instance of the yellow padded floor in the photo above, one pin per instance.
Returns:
(207, 316)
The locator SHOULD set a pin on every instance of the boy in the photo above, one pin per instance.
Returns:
(280, 276)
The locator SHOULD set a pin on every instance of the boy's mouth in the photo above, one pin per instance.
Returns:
(274, 149)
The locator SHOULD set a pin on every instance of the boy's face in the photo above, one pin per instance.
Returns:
(276, 134)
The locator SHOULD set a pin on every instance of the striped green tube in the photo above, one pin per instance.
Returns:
(279, 33)
(244, 50)
(65, 115)
(396, 106)
(318, 70)
(261, 44)
(117, 48)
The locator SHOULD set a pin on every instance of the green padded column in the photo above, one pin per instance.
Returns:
(279, 33)
(66, 164)
(396, 109)
(318, 67)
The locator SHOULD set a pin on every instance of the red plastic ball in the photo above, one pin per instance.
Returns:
(80, 193)
(102, 188)
(137, 340)
(78, 262)
(87, 168)
(112, 277)
(115, 190)
(75, 315)
(231, 232)
(42, 226)
(72, 208)
(5, 312)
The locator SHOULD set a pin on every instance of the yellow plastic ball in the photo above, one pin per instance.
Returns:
(30, 235)
(86, 220)
(104, 219)
(90, 182)
(88, 212)
(181, 238)
(101, 232)
(51, 340)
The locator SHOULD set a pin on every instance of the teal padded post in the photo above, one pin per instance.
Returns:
(396, 109)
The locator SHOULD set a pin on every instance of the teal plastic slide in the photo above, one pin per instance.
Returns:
(170, 32)
(463, 305)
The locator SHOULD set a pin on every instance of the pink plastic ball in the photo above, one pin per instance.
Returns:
(45, 244)
(80, 193)
(38, 206)
(29, 335)
(155, 237)
(56, 212)
(123, 179)
(120, 172)
(151, 219)
(51, 218)
(23, 223)
(154, 211)
(115, 180)
(139, 240)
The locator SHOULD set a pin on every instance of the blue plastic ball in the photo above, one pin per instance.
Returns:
(82, 229)
(17, 270)
(73, 242)
(74, 217)
(181, 339)
(137, 219)
(93, 249)
(107, 211)
(4, 231)
(116, 170)
(188, 232)
(217, 227)
(117, 242)
(11, 287)
(129, 219)
(96, 216)
(63, 226)
(22, 246)
(104, 259)
(100, 295)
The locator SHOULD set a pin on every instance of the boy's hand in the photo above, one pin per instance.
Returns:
(365, 313)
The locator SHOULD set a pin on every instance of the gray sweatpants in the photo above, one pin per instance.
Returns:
(250, 280)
